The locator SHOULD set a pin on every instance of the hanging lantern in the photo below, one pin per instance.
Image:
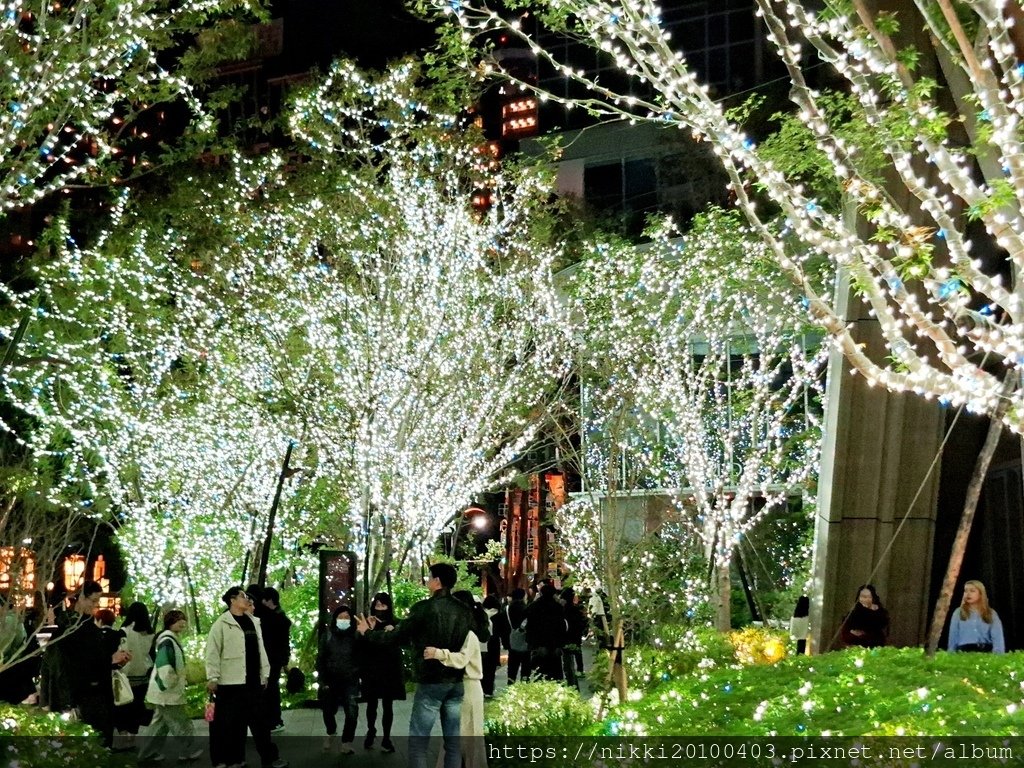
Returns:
(74, 572)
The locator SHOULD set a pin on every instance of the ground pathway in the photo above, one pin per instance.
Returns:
(301, 742)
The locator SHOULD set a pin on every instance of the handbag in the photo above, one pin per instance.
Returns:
(211, 708)
(517, 637)
(122, 688)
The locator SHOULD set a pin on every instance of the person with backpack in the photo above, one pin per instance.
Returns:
(166, 694)
(515, 642)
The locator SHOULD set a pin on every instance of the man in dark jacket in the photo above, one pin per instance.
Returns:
(576, 628)
(82, 658)
(545, 633)
(440, 621)
(277, 629)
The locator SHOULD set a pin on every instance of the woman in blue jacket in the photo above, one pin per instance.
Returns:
(975, 627)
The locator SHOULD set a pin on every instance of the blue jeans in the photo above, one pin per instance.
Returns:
(430, 700)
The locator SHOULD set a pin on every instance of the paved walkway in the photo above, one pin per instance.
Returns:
(301, 742)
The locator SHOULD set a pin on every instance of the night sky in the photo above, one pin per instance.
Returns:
(371, 31)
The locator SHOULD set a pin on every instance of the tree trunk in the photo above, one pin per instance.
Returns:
(617, 668)
(956, 555)
(723, 597)
(261, 576)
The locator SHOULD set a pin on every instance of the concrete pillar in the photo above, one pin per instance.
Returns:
(878, 468)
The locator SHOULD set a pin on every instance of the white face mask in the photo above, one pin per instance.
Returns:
(343, 623)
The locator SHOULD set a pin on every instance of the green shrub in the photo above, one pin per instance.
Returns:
(32, 738)
(675, 651)
(539, 708)
(882, 692)
(404, 594)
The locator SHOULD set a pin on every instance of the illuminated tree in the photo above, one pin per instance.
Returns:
(356, 304)
(703, 385)
(930, 231)
(76, 73)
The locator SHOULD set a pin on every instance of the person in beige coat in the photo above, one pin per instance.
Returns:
(166, 694)
(469, 658)
(237, 670)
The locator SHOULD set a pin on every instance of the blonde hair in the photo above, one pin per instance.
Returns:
(984, 609)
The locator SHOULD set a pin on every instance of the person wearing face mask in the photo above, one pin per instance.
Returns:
(382, 680)
(337, 667)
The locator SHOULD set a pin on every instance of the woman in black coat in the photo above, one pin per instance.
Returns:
(867, 625)
(383, 681)
(492, 651)
(337, 666)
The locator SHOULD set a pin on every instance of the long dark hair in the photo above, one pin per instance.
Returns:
(481, 623)
(136, 616)
(803, 607)
(385, 598)
(874, 594)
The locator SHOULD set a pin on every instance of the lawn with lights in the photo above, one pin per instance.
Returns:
(732, 688)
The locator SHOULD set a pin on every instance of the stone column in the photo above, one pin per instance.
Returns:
(878, 454)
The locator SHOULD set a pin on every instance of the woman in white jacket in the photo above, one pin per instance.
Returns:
(468, 658)
(166, 694)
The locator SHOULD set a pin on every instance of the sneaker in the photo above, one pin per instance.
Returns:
(277, 728)
(347, 748)
(279, 763)
(368, 741)
(328, 744)
(191, 756)
(387, 746)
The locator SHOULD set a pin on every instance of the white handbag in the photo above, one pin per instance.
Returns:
(122, 688)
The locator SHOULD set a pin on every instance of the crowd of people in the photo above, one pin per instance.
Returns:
(129, 683)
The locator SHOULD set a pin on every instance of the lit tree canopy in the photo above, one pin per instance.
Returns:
(355, 304)
(76, 73)
(701, 382)
(937, 245)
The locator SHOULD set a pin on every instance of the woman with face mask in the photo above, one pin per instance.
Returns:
(382, 680)
(337, 667)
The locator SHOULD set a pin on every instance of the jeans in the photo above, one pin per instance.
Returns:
(430, 700)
